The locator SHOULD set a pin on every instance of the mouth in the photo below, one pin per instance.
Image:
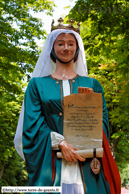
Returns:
(66, 53)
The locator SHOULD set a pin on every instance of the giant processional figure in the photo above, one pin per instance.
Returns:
(63, 125)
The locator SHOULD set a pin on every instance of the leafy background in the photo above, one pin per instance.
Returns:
(105, 34)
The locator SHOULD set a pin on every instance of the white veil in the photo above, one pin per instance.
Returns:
(44, 68)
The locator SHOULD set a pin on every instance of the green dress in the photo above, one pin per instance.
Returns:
(43, 105)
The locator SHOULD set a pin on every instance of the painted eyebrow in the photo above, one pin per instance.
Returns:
(64, 41)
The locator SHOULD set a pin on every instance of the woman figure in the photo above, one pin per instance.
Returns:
(43, 118)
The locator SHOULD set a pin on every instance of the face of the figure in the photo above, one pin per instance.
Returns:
(65, 47)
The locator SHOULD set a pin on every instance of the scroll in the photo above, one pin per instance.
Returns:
(82, 126)
(87, 153)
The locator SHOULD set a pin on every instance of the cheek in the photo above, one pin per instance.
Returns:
(58, 49)
(73, 50)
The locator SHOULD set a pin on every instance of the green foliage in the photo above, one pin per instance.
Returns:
(105, 33)
(18, 55)
(14, 171)
(124, 173)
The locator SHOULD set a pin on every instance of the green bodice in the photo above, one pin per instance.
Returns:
(43, 105)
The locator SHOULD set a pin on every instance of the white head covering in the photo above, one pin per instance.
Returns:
(44, 68)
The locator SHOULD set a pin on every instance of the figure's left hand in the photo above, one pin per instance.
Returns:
(69, 153)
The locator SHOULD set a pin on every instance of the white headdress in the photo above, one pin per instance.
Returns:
(43, 68)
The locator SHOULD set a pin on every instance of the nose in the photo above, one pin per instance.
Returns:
(65, 47)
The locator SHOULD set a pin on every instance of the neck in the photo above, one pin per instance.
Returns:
(64, 71)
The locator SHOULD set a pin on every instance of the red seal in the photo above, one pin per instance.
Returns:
(95, 166)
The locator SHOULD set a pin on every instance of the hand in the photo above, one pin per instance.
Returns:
(85, 90)
(69, 153)
(89, 90)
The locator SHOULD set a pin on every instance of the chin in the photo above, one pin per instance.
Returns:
(66, 59)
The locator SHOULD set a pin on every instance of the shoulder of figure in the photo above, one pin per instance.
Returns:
(90, 79)
(36, 80)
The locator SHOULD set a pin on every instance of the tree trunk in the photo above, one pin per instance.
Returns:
(2, 170)
(114, 146)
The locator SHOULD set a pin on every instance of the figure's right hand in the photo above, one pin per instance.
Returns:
(89, 90)
(69, 153)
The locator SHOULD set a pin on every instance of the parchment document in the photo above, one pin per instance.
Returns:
(82, 125)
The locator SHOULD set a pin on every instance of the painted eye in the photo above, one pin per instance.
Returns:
(60, 44)
(70, 44)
